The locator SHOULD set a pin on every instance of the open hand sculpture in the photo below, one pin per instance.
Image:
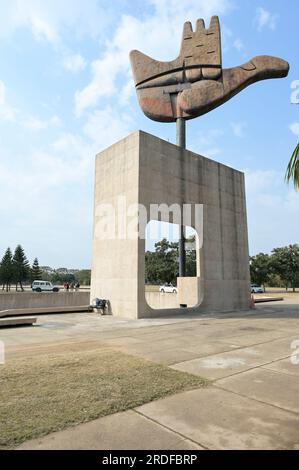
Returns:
(195, 83)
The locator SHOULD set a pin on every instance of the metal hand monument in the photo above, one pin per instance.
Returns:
(195, 82)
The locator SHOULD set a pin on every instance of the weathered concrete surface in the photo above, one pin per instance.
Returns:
(43, 311)
(218, 419)
(17, 321)
(159, 300)
(267, 386)
(35, 300)
(113, 433)
(188, 292)
(229, 363)
(147, 170)
(248, 409)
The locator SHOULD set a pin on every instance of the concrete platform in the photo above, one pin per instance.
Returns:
(43, 311)
(17, 321)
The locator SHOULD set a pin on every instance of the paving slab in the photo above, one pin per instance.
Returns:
(284, 366)
(218, 419)
(121, 431)
(167, 357)
(228, 363)
(253, 336)
(268, 386)
(177, 350)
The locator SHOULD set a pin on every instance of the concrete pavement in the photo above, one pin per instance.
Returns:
(253, 399)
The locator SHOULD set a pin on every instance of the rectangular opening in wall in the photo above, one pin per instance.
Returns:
(164, 288)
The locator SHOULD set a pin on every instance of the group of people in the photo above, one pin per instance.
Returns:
(71, 286)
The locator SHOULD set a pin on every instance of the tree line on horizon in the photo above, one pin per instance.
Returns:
(15, 270)
(278, 269)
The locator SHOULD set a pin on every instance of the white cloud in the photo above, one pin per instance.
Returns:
(146, 35)
(295, 128)
(36, 124)
(238, 44)
(7, 112)
(50, 19)
(273, 210)
(58, 180)
(265, 19)
(207, 143)
(200, 8)
(127, 92)
(238, 128)
(105, 127)
(43, 31)
(74, 63)
(262, 181)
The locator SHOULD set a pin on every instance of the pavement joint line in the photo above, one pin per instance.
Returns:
(278, 371)
(233, 350)
(170, 429)
(250, 368)
(286, 410)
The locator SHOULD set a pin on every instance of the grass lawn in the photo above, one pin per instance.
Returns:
(39, 395)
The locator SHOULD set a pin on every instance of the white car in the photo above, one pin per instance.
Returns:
(255, 289)
(168, 289)
(44, 286)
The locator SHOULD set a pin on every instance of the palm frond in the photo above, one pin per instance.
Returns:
(292, 173)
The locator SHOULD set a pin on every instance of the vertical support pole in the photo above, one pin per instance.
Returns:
(181, 142)
(181, 133)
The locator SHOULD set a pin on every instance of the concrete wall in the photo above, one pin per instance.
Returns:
(22, 300)
(148, 170)
(157, 300)
(188, 291)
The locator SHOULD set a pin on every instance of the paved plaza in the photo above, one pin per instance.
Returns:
(252, 401)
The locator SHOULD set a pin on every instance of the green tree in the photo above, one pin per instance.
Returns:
(6, 270)
(57, 278)
(260, 269)
(162, 265)
(84, 277)
(191, 267)
(285, 263)
(21, 267)
(36, 273)
(292, 173)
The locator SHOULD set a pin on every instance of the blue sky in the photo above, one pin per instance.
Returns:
(66, 92)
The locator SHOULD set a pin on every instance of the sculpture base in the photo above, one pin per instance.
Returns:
(144, 170)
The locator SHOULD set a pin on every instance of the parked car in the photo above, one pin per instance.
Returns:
(43, 286)
(255, 289)
(168, 289)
